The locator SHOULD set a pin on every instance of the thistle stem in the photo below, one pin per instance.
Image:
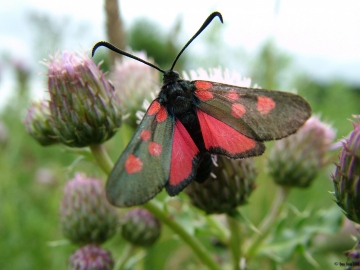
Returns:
(269, 221)
(105, 163)
(126, 255)
(192, 242)
(221, 232)
(235, 241)
(102, 158)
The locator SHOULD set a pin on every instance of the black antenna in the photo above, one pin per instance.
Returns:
(117, 50)
(202, 28)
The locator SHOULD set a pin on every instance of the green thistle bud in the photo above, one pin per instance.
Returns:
(84, 108)
(38, 123)
(140, 227)
(347, 176)
(91, 257)
(234, 182)
(85, 214)
(295, 161)
(134, 82)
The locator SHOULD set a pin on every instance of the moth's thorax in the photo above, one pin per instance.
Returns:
(176, 94)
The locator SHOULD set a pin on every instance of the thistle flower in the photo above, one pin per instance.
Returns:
(91, 257)
(295, 160)
(85, 214)
(84, 108)
(134, 82)
(230, 186)
(140, 227)
(38, 123)
(347, 176)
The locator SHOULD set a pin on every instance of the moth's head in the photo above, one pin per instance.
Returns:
(170, 76)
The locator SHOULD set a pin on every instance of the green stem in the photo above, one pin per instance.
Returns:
(269, 221)
(106, 165)
(235, 241)
(102, 157)
(192, 241)
(220, 231)
(126, 255)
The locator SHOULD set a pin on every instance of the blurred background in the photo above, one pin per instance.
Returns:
(311, 47)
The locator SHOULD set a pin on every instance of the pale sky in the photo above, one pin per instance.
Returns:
(323, 35)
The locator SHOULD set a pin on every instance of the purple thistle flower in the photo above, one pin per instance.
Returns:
(85, 214)
(134, 82)
(84, 108)
(91, 257)
(347, 176)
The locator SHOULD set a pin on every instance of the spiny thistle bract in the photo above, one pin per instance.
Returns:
(347, 176)
(38, 123)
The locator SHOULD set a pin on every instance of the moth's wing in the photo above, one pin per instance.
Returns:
(236, 120)
(185, 157)
(143, 168)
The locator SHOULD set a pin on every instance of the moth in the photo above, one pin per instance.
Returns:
(191, 120)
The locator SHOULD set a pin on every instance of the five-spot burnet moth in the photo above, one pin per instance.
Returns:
(191, 120)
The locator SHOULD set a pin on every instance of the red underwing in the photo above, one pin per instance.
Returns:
(191, 120)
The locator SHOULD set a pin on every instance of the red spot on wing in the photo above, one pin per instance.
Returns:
(237, 110)
(154, 107)
(217, 134)
(161, 115)
(202, 90)
(232, 94)
(155, 149)
(183, 152)
(133, 164)
(145, 135)
(201, 85)
(204, 95)
(265, 105)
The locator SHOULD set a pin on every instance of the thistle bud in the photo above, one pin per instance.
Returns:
(85, 214)
(91, 257)
(134, 82)
(233, 184)
(140, 227)
(84, 108)
(295, 160)
(38, 123)
(354, 253)
(347, 176)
